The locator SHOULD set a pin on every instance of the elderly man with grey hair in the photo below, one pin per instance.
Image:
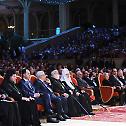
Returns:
(59, 87)
(43, 87)
(30, 91)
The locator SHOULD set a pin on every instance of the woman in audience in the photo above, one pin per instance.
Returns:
(27, 106)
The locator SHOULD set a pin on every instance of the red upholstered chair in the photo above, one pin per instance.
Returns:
(90, 92)
(1, 80)
(107, 92)
(33, 79)
(74, 81)
(40, 107)
(18, 79)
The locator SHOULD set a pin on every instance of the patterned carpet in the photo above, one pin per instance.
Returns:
(111, 114)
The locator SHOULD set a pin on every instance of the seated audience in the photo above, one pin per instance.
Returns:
(93, 83)
(60, 103)
(30, 91)
(59, 87)
(120, 87)
(82, 98)
(27, 106)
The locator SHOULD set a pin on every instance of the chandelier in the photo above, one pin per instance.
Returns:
(56, 1)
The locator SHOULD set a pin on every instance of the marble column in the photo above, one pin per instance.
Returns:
(26, 5)
(26, 23)
(64, 16)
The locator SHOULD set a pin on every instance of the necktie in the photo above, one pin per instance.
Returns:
(30, 85)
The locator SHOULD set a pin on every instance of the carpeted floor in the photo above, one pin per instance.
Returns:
(112, 114)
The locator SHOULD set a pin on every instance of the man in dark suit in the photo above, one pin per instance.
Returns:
(25, 105)
(60, 102)
(81, 81)
(119, 86)
(29, 91)
(115, 80)
(90, 84)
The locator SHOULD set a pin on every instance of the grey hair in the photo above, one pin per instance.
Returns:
(40, 73)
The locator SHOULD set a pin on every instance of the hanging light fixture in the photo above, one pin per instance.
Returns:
(56, 1)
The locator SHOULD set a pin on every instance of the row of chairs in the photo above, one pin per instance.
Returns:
(40, 107)
(33, 78)
(107, 92)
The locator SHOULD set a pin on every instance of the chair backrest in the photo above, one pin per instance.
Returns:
(74, 80)
(1, 80)
(18, 79)
(74, 75)
(100, 79)
(33, 79)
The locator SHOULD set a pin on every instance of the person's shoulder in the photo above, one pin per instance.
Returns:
(38, 81)
(63, 82)
(53, 80)
(111, 77)
(22, 80)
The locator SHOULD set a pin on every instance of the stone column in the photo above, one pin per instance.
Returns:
(26, 23)
(17, 22)
(26, 5)
(51, 22)
(64, 16)
(115, 12)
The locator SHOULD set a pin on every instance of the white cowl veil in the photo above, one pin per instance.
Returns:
(64, 77)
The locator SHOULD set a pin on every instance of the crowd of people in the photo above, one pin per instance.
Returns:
(65, 91)
(61, 89)
(101, 42)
